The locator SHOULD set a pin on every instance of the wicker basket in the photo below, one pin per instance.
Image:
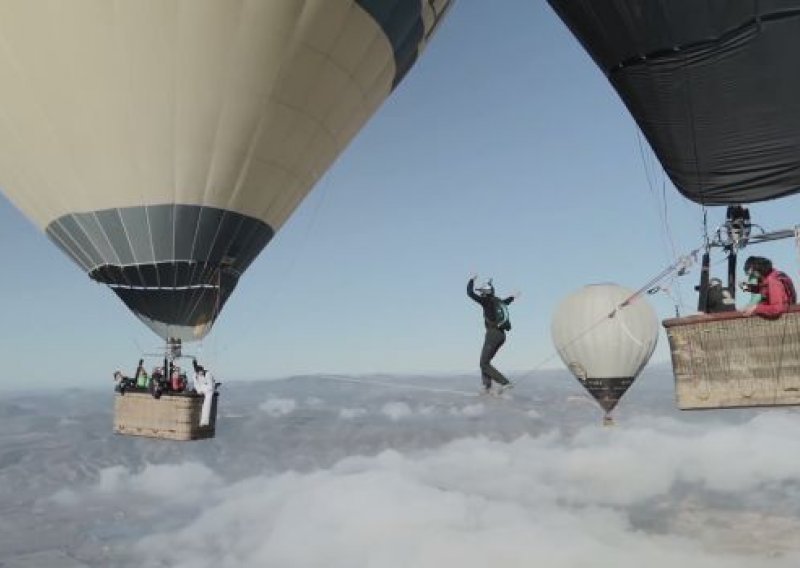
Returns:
(171, 417)
(728, 360)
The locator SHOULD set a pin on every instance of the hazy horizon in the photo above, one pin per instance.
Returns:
(314, 472)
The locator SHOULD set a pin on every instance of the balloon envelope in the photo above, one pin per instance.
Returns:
(162, 143)
(605, 354)
(713, 84)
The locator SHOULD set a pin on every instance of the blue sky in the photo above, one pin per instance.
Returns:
(505, 151)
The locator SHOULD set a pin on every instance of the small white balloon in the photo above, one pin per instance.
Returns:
(604, 343)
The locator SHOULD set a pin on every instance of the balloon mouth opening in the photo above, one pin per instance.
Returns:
(174, 299)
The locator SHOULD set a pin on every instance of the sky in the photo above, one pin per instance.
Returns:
(504, 152)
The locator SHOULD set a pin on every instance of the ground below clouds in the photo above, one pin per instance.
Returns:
(402, 471)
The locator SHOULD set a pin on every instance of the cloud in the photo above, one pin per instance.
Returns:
(656, 492)
(470, 410)
(699, 490)
(174, 483)
(278, 407)
(350, 413)
(426, 409)
(397, 410)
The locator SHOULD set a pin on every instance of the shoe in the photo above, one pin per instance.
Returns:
(505, 387)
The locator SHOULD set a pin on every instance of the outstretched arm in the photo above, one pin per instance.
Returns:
(471, 290)
(512, 297)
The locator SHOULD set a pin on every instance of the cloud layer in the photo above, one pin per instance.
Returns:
(659, 493)
(307, 472)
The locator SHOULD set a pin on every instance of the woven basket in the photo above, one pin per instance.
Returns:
(729, 361)
(171, 417)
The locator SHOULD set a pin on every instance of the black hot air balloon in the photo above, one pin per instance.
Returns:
(714, 87)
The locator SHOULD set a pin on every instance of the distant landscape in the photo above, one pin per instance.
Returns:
(402, 471)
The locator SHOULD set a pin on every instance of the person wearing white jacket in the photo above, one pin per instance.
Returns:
(204, 384)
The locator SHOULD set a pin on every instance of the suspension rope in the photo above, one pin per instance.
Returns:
(662, 212)
(516, 405)
(786, 319)
(677, 268)
(797, 240)
(345, 379)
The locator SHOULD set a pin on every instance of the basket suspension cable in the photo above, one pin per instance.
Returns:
(779, 368)
(797, 241)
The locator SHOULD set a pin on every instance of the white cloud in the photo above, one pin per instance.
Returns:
(552, 500)
(470, 410)
(474, 410)
(426, 410)
(173, 483)
(278, 407)
(350, 413)
(396, 410)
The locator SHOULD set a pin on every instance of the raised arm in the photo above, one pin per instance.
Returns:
(471, 290)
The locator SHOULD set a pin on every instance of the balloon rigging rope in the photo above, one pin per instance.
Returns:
(661, 211)
(627, 332)
(675, 267)
(693, 127)
(293, 259)
(322, 192)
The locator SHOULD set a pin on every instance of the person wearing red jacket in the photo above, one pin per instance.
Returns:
(775, 287)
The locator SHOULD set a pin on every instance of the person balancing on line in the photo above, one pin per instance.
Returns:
(495, 318)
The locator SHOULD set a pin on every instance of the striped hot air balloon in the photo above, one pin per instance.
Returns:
(162, 143)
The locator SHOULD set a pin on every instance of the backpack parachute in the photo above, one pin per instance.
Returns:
(501, 318)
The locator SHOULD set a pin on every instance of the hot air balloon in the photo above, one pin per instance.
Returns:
(605, 335)
(161, 144)
(713, 85)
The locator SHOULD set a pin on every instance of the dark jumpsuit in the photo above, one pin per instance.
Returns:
(495, 333)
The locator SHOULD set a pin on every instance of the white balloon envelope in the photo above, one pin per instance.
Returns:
(605, 336)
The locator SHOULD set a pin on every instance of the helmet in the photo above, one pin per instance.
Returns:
(487, 289)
